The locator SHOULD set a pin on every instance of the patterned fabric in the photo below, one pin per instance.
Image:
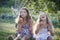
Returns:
(25, 30)
(42, 34)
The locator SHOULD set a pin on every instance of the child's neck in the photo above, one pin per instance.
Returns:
(24, 20)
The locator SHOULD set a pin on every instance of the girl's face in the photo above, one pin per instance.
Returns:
(23, 13)
(43, 19)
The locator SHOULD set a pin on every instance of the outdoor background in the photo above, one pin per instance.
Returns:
(9, 10)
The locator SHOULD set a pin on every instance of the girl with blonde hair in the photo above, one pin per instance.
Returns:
(44, 28)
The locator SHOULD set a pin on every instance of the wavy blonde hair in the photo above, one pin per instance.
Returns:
(47, 20)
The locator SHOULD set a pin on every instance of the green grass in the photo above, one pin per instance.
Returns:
(7, 27)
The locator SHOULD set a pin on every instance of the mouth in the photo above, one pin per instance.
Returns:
(21, 16)
(42, 17)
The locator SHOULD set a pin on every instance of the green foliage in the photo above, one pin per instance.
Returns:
(6, 3)
(5, 10)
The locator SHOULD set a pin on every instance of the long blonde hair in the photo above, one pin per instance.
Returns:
(47, 20)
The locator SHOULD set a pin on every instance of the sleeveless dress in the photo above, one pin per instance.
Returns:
(42, 34)
(25, 31)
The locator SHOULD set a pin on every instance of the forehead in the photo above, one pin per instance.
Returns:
(23, 10)
(42, 15)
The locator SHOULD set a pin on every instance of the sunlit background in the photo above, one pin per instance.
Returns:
(9, 10)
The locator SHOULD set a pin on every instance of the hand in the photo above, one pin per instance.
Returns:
(37, 30)
(51, 31)
(19, 36)
(20, 19)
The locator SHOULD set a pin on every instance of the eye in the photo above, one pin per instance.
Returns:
(24, 12)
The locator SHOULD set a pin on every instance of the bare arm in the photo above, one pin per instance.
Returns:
(51, 30)
(19, 28)
(31, 26)
(37, 29)
(18, 25)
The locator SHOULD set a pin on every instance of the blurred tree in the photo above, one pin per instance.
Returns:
(6, 3)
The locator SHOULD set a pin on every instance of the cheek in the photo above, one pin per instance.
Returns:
(25, 14)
